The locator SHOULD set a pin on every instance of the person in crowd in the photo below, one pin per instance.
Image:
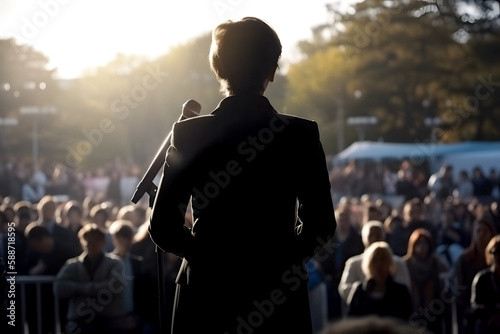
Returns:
(23, 215)
(485, 296)
(441, 184)
(372, 231)
(464, 189)
(99, 215)
(396, 234)
(482, 185)
(123, 233)
(379, 293)
(132, 214)
(331, 260)
(372, 182)
(63, 238)
(52, 254)
(113, 189)
(318, 296)
(428, 273)
(371, 212)
(405, 186)
(413, 217)
(51, 257)
(469, 263)
(94, 283)
(72, 216)
(493, 214)
(385, 208)
(144, 247)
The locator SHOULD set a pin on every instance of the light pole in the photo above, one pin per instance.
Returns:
(433, 123)
(35, 111)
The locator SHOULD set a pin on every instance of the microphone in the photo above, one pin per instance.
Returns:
(190, 109)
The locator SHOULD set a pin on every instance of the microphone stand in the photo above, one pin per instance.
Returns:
(190, 108)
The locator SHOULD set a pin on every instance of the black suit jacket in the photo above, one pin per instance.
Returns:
(245, 167)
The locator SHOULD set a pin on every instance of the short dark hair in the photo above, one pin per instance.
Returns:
(36, 232)
(123, 229)
(89, 230)
(243, 53)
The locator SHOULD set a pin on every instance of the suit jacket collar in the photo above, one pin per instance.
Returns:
(243, 103)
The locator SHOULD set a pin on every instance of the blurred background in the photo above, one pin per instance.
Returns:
(85, 84)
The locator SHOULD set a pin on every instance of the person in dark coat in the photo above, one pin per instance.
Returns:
(331, 260)
(485, 296)
(250, 172)
(379, 294)
(469, 263)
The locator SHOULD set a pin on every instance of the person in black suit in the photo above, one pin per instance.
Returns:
(250, 173)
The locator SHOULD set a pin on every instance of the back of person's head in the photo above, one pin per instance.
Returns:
(392, 222)
(370, 229)
(72, 207)
(372, 212)
(122, 229)
(91, 230)
(47, 207)
(35, 232)
(418, 234)
(372, 325)
(492, 249)
(243, 54)
(99, 214)
(4, 221)
(412, 210)
(377, 250)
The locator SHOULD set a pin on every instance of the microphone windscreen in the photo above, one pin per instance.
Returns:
(190, 108)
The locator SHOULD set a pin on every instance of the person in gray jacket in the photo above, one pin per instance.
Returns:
(94, 282)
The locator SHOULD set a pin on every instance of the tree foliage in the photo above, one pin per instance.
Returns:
(406, 63)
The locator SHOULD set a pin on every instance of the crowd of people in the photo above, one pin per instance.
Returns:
(432, 261)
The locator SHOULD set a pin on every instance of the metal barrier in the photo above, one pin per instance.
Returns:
(37, 281)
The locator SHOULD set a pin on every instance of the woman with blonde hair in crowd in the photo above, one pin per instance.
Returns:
(379, 294)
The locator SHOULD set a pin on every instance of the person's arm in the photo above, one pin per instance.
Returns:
(481, 291)
(167, 229)
(316, 210)
(355, 300)
(67, 283)
(347, 280)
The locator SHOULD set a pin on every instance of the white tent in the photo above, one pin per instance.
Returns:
(460, 155)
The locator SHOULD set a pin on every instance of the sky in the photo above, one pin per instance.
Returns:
(81, 34)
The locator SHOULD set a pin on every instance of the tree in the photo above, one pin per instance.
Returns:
(25, 81)
(400, 61)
